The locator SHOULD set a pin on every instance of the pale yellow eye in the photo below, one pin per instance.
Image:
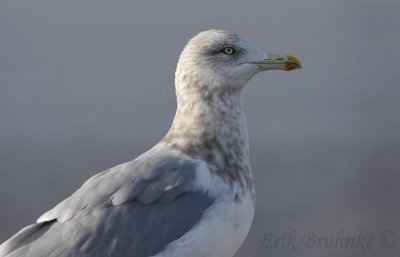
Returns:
(229, 50)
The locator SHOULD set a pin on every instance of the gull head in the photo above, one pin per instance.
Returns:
(220, 60)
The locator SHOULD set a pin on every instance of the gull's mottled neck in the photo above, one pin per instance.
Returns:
(216, 115)
(209, 124)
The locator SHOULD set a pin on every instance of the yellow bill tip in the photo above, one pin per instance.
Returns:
(293, 63)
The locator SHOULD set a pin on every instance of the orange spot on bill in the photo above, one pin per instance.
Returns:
(290, 67)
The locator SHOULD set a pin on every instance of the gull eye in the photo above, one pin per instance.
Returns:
(229, 50)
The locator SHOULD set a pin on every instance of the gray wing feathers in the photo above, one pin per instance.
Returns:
(26, 235)
(138, 180)
(134, 209)
(130, 230)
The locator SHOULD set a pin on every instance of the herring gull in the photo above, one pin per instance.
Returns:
(191, 194)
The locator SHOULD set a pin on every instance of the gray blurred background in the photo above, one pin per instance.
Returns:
(88, 84)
